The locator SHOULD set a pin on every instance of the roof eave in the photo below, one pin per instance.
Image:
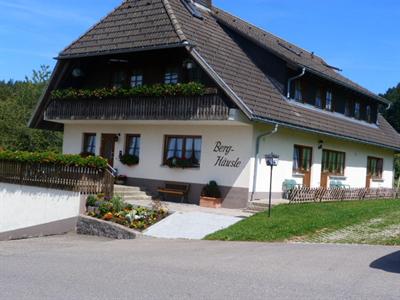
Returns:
(256, 118)
(62, 56)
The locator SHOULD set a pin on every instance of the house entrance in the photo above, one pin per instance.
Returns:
(107, 148)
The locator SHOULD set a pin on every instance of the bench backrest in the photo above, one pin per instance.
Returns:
(177, 186)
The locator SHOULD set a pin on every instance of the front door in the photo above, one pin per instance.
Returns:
(302, 161)
(324, 179)
(107, 147)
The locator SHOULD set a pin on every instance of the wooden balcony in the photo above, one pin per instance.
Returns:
(205, 107)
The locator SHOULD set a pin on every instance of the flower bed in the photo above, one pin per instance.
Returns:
(117, 211)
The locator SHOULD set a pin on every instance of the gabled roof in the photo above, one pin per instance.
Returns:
(213, 42)
(136, 24)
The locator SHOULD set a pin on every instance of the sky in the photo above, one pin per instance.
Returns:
(362, 37)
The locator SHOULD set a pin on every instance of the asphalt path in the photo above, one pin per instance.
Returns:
(79, 267)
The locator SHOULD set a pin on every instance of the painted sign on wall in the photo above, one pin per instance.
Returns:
(224, 156)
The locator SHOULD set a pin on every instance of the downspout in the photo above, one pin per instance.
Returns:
(275, 130)
(303, 71)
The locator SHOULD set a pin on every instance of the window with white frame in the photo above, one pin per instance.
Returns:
(136, 79)
(171, 76)
(132, 144)
(89, 144)
(298, 94)
(329, 101)
(318, 99)
(357, 110)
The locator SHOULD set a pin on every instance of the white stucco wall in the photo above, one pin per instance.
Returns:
(242, 138)
(283, 142)
(25, 206)
(152, 147)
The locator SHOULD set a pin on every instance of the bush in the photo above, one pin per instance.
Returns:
(129, 160)
(91, 200)
(157, 90)
(117, 204)
(54, 159)
(211, 190)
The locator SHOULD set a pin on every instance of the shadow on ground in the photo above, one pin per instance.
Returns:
(388, 263)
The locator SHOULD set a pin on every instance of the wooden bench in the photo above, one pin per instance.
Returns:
(175, 189)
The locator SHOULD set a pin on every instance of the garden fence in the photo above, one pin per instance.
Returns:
(306, 194)
(86, 180)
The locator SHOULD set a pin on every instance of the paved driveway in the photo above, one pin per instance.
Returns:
(75, 267)
(190, 225)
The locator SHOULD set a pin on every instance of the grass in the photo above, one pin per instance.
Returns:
(306, 221)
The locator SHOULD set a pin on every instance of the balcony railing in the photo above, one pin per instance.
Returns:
(205, 107)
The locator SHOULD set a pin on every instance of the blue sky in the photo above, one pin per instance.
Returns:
(362, 37)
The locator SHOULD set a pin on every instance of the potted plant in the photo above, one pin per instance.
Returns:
(129, 160)
(211, 196)
(121, 179)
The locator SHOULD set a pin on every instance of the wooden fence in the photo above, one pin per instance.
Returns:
(85, 180)
(305, 194)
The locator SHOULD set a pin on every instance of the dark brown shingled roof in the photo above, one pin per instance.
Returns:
(227, 58)
(138, 24)
(134, 24)
(289, 52)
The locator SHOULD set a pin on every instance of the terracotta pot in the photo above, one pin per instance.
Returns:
(210, 202)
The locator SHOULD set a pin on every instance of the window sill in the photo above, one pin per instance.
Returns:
(337, 177)
(297, 174)
(181, 168)
(377, 180)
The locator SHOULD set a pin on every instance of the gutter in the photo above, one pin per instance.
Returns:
(266, 134)
(288, 125)
(303, 72)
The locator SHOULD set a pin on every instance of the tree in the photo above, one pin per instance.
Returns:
(17, 101)
(393, 117)
(393, 114)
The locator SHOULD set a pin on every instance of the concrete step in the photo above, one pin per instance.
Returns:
(125, 188)
(132, 198)
(133, 194)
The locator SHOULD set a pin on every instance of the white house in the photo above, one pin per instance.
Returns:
(259, 94)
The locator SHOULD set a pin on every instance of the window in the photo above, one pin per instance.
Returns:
(302, 158)
(375, 167)
(136, 79)
(298, 92)
(132, 144)
(89, 144)
(119, 79)
(333, 162)
(347, 109)
(328, 101)
(183, 148)
(318, 99)
(368, 113)
(171, 76)
(357, 107)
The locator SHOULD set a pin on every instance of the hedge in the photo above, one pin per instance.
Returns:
(157, 90)
(54, 159)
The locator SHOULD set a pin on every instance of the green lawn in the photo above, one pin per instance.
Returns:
(306, 222)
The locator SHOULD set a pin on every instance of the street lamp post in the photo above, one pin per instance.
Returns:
(272, 161)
